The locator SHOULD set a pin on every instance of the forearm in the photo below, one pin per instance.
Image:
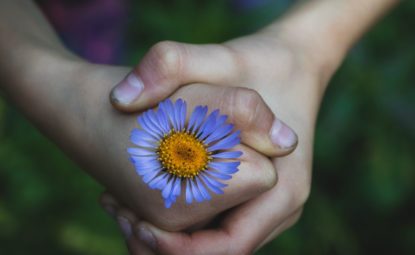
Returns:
(24, 34)
(328, 28)
(33, 63)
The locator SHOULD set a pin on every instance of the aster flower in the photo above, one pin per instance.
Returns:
(173, 152)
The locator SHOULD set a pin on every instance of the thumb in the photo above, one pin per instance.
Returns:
(169, 65)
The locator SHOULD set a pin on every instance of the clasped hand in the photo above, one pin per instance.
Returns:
(255, 80)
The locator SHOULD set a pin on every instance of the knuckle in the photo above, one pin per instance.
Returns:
(247, 104)
(267, 177)
(167, 58)
(237, 61)
(270, 177)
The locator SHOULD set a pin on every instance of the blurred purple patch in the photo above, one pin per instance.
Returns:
(246, 5)
(249, 5)
(94, 29)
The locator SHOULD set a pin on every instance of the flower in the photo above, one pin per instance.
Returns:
(172, 152)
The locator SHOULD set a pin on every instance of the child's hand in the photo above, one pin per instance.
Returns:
(289, 80)
(99, 140)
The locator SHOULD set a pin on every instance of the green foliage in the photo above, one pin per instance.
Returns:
(362, 200)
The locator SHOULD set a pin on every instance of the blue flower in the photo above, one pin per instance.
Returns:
(172, 152)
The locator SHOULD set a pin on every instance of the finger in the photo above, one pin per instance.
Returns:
(169, 65)
(109, 203)
(241, 232)
(126, 220)
(261, 129)
(256, 175)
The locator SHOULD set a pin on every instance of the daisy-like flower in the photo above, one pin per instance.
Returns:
(173, 152)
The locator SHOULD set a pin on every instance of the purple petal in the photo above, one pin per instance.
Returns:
(226, 143)
(141, 152)
(168, 109)
(219, 133)
(168, 202)
(152, 123)
(150, 176)
(144, 125)
(177, 187)
(164, 122)
(193, 117)
(220, 121)
(228, 155)
(143, 143)
(189, 196)
(198, 118)
(144, 161)
(212, 184)
(160, 180)
(219, 175)
(144, 165)
(153, 117)
(202, 189)
(209, 126)
(195, 191)
(225, 167)
(141, 134)
(168, 189)
(182, 115)
(144, 171)
(177, 114)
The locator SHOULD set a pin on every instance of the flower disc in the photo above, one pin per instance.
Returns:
(183, 155)
(172, 151)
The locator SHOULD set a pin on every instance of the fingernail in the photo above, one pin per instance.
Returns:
(110, 210)
(125, 226)
(128, 90)
(146, 236)
(282, 135)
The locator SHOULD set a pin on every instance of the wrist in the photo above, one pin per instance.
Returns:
(320, 58)
(325, 30)
(39, 82)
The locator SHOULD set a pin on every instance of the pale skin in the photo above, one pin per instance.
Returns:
(67, 98)
(288, 63)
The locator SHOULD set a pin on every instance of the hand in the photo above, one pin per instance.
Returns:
(66, 98)
(256, 171)
(96, 136)
(290, 80)
(62, 97)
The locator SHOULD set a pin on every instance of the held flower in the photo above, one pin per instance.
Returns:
(172, 152)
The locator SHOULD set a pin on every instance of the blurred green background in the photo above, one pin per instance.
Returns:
(363, 192)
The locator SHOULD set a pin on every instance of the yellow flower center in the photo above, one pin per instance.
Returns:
(183, 155)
